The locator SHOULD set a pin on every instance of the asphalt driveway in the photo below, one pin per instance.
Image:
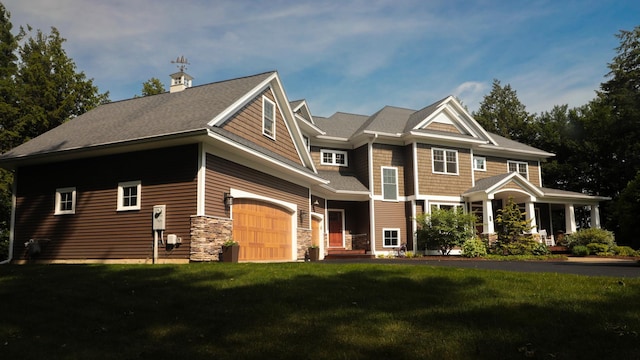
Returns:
(579, 266)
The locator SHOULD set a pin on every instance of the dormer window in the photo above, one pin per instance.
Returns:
(268, 118)
(333, 157)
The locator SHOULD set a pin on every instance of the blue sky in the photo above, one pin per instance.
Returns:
(350, 56)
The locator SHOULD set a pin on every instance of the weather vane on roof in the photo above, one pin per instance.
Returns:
(182, 63)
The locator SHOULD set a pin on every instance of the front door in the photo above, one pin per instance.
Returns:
(335, 229)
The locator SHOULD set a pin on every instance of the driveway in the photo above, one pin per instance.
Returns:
(579, 266)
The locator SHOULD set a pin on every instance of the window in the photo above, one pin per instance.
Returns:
(479, 163)
(389, 183)
(391, 237)
(445, 161)
(333, 157)
(268, 118)
(519, 167)
(65, 201)
(129, 195)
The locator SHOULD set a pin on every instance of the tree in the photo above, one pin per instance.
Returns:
(445, 229)
(8, 70)
(513, 230)
(501, 112)
(49, 88)
(152, 86)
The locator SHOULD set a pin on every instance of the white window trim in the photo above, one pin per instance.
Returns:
(333, 157)
(526, 167)
(271, 135)
(484, 161)
(383, 239)
(433, 162)
(395, 169)
(121, 187)
(59, 193)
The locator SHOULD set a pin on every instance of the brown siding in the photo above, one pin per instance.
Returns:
(443, 127)
(315, 155)
(361, 164)
(222, 175)
(97, 230)
(247, 123)
(409, 187)
(443, 184)
(388, 155)
(389, 215)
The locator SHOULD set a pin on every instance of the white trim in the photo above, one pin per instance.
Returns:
(128, 184)
(201, 175)
(271, 134)
(382, 183)
(399, 238)
(372, 206)
(58, 201)
(444, 153)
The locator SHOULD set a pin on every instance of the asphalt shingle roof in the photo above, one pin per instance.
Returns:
(144, 117)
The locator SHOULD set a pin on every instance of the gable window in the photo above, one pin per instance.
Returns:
(391, 237)
(518, 166)
(65, 201)
(479, 163)
(333, 157)
(445, 161)
(129, 195)
(389, 183)
(268, 118)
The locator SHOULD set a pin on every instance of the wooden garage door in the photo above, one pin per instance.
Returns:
(263, 230)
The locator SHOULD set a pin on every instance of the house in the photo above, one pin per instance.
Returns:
(170, 177)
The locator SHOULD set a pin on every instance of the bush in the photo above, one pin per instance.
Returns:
(444, 229)
(580, 250)
(598, 249)
(592, 236)
(624, 251)
(4, 249)
(473, 247)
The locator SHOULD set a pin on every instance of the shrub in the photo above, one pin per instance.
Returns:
(580, 250)
(598, 249)
(624, 251)
(4, 249)
(473, 247)
(444, 229)
(592, 236)
(524, 246)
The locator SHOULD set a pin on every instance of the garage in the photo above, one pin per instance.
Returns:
(263, 230)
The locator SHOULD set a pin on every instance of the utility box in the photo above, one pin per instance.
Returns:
(159, 217)
(173, 239)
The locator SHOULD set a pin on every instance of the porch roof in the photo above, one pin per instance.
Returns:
(494, 183)
(343, 182)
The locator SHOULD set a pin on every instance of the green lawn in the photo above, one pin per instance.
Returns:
(312, 311)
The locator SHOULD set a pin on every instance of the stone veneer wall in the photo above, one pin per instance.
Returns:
(360, 242)
(304, 241)
(208, 233)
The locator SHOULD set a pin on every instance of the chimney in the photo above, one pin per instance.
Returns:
(180, 80)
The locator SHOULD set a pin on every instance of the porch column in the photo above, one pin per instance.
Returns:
(487, 222)
(531, 214)
(595, 216)
(569, 218)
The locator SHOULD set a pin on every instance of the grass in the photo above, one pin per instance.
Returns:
(312, 311)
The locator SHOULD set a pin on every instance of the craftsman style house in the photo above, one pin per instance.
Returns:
(171, 177)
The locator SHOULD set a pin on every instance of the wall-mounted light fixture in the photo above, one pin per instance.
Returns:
(228, 199)
(316, 203)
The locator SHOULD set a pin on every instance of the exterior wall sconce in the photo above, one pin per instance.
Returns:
(303, 213)
(228, 199)
(316, 203)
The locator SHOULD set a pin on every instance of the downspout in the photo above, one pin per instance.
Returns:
(12, 221)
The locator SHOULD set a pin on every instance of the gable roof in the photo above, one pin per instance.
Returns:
(141, 118)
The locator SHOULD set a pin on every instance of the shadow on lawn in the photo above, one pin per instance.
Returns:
(358, 311)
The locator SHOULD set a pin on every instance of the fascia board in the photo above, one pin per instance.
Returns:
(520, 181)
(420, 135)
(242, 101)
(502, 150)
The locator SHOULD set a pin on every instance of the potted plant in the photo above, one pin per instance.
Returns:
(314, 252)
(230, 251)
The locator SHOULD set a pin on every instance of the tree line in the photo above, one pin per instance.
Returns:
(596, 145)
